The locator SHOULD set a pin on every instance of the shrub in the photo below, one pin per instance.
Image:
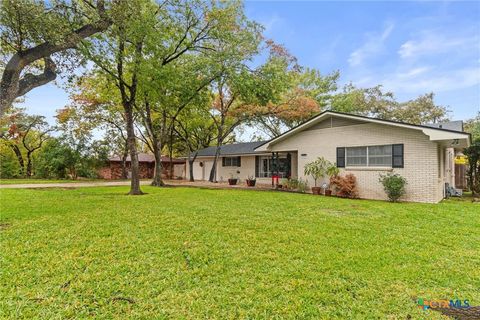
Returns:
(473, 171)
(345, 187)
(302, 186)
(292, 184)
(9, 167)
(394, 185)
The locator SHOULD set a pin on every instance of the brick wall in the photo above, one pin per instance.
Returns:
(420, 155)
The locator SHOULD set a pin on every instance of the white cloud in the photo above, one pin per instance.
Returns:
(431, 42)
(373, 46)
(424, 79)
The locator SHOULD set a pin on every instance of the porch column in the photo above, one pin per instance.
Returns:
(272, 169)
(289, 165)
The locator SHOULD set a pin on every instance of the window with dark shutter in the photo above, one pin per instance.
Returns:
(397, 156)
(239, 161)
(223, 162)
(257, 166)
(341, 157)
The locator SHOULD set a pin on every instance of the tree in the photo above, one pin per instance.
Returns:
(60, 159)
(37, 37)
(472, 126)
(307, 92)
(421, 110)
(184, 63)
(473, 156)
(374, 102)
(196, 129)
(27, 132)
(118, 55)
(95, 105)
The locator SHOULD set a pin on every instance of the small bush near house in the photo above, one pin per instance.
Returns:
(293, 184)
(345, 187)
(394, 185)
(302, 186)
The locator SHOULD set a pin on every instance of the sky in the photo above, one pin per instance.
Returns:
(411, 48)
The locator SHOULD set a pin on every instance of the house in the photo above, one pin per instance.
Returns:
(146, 161)
(363, 146)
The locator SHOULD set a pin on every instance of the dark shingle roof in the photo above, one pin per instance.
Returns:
(452, 125)
(231, 149)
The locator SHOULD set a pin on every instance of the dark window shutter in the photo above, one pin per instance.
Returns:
(257, 166)
(223, 162)
(340, 157)
(239, 162)
(397, 156)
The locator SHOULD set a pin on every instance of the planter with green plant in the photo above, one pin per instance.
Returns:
(316, 169)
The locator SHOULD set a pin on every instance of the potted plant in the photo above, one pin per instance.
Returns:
(251, 181)
(232, 181)
(317, 170)
(332, 172)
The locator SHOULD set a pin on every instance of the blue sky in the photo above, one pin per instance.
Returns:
(409, 47)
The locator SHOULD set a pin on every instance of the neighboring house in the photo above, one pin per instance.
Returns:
(366, 147)
(146, 163)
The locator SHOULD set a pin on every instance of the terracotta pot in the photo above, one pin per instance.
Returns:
(251, 183)
(328, 192)
(316, 190)
(232, 182)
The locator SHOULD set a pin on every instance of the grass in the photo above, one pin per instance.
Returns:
(195, 253)
(38, 181)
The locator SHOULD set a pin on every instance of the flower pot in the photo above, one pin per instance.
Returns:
(251, 183)
(316, 190)
(232, 182)
(328, 192)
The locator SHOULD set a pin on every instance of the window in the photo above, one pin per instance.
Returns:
(372, 156)
(380, 156)
(357, 157)
(265, 167)
(231, 162)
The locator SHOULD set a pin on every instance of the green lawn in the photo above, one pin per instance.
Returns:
(38, 181)
(196, 253)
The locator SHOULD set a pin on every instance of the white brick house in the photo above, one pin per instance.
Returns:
(364, 146)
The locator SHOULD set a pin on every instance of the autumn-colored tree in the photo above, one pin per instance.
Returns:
(307, 93)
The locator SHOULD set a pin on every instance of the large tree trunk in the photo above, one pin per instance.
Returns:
(124, 161)
(213, 171)
(19, 156)
(190, 165)
(132, 147)
(28, 172)
(157, 176)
